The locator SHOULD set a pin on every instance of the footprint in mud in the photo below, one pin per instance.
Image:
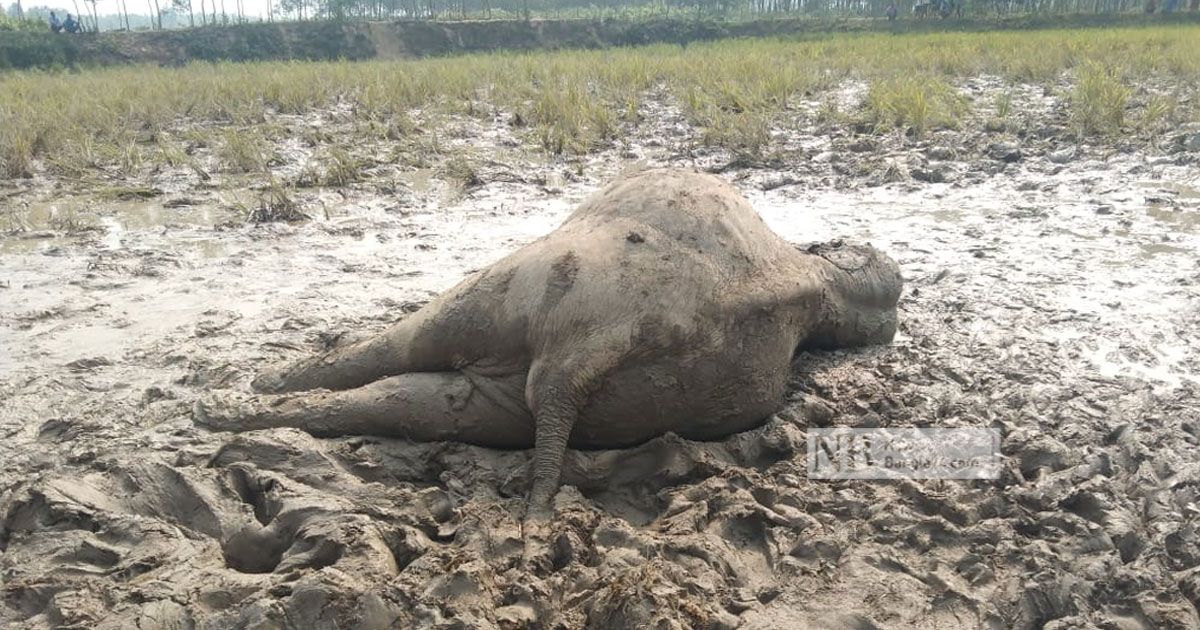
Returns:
(199, 528)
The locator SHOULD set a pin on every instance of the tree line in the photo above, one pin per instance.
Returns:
(191, 13)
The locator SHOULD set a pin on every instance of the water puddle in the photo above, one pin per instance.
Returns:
(419, 180)
(1177, 188)
(80, 213)
(45, 227)
(1165, 364)
(1155, 249)
(1179, 218)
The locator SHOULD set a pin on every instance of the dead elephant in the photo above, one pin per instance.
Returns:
(662, 304)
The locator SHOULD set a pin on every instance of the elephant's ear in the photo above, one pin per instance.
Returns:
(848, 258)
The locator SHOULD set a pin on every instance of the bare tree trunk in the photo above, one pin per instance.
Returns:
(191, 15)
(20, 11)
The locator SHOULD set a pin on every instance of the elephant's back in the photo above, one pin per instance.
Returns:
(657, 259)
(700, 212)
(615, 275)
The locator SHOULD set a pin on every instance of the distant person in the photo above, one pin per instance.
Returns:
(946, 8)
(71, 25)
(892, 11)
(55, 23)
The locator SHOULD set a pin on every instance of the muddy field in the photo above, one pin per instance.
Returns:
(1051, 293)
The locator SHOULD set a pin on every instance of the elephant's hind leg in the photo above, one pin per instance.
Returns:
(422, 406)
(420, 343)
(341, 368)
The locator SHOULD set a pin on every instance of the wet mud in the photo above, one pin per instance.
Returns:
(1050, 293)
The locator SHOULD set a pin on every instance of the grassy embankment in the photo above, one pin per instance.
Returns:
(95, 124)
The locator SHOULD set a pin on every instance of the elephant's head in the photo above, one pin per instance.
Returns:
(860, 288)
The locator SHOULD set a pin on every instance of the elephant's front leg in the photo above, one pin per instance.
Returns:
(421, 406)
(558, 388)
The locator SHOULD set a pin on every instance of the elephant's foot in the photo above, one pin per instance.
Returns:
(538, 555)
(272, 381)
(237, 411)
(228, 411)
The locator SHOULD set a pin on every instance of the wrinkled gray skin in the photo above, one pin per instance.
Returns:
(663, 303)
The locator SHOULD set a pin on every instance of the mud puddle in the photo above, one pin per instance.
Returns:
(1043, 301)
(47, 226)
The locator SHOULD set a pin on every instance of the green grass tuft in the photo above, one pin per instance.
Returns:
(914, 104)
(1098, 101)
